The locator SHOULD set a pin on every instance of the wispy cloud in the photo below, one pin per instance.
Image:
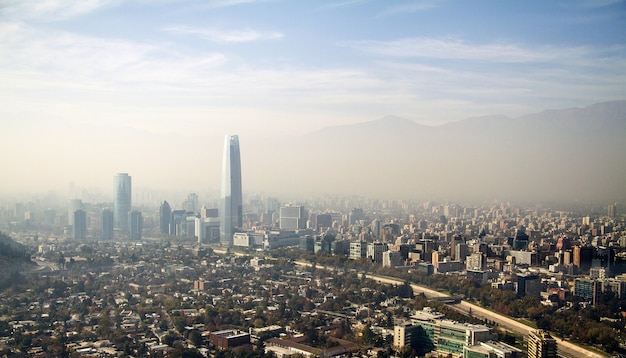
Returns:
(50, 10)
(456, 49)
(217, 35)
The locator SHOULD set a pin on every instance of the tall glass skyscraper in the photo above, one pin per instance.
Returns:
(231, 208)
(122, 203)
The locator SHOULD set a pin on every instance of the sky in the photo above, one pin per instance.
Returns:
(89, 88)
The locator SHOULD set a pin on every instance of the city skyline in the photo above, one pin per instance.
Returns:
(569, 174)
(134, 84)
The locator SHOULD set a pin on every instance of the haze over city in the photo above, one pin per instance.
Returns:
(92, 89)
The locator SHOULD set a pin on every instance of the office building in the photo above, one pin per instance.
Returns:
(406, 334)
(177, 222)
(292, 218)
(476, 261)
(492, 349)
(231, 210)
(79, 229)
(446, 337)
(583, 256)
(375, 251)
(355, 215)
(392, 259)
(520, 241)
(122, 203)
(209, 212)
(106, 225)
(135, 225)
(358, 250)
(541, 345)
(528, 285)
(587, 290)
(75, 204)
(207, 230)
(307, 244)
(165, 215)
(191, 204)
(611, 212)
(228, 339)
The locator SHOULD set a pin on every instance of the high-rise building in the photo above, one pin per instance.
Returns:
(191, 204)
(106, 225)
(135, 225)
(75, 204)
(165, 215)
(611, 212)
(79, 229)
(541, 345)
(231, 210)
(122, 203)
(292, 218)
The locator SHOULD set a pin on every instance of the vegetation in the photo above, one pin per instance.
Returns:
(602, 326)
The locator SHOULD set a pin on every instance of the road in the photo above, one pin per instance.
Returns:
(565, 348)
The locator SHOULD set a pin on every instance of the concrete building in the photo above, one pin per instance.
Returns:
(207, 230)
(292, 218)
(447, 337)
(135, 225)
(79, 229)
(375, 251)
(587, 290)
(106, 225)
(392, 258)
(541, 345)
(358, 250)
(165, 215)
(230, 338)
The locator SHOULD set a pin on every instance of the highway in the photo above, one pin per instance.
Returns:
(565, 348)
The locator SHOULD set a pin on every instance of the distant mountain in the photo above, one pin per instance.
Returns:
(571, 154)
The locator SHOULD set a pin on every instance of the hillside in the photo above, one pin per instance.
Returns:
(13, 255)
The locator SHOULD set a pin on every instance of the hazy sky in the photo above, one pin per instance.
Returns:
(92, 87)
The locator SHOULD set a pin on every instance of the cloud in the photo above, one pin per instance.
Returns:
(51, 10)
(217, 35)
(456, 49)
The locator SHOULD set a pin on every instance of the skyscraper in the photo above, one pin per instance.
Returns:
(165, 215)
(106, 225)
(135, 225)
(79, 229)
(231, 208)
(75, 204)
(122, 202)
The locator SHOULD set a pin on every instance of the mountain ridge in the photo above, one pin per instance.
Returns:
(615, 109)
(572, 154)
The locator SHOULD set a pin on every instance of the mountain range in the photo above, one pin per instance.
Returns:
(563, 155)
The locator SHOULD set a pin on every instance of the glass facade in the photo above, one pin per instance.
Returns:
(122, 203)
(231, 210)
